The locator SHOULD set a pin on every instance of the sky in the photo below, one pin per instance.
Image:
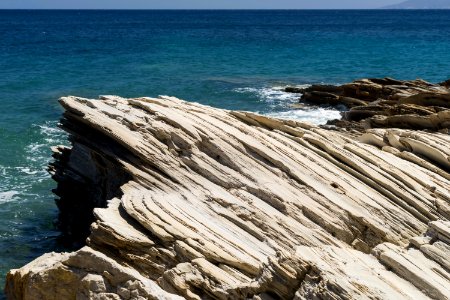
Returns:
(193, 4)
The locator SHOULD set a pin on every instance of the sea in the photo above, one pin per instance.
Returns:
(231, 59)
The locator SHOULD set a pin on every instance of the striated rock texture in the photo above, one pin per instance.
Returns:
(200, 203)
(385, 103)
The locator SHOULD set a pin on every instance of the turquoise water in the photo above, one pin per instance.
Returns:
(228, 59)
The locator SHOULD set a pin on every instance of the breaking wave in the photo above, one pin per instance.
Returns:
(280, 105)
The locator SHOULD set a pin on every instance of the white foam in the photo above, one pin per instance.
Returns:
(50, 129)
(34, 147)
(316, 116)
(51, 132)
(17, 181)
(280, 103)
(273, 96)
(27, 170)
(39, 151)
(8, 196)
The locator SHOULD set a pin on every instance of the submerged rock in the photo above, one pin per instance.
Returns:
(385, 103)
(217, 204)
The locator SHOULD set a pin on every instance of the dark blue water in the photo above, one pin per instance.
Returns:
(229, 59)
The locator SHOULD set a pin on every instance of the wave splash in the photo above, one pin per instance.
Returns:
(31, 168)
(280, 105)
(318, 116)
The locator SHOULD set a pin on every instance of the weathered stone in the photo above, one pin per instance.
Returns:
(385, 103)
(204, 203)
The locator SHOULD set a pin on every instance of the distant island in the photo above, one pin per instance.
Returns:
(421, 4)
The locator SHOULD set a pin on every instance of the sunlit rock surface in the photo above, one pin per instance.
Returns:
(204, 203)
(385, 103)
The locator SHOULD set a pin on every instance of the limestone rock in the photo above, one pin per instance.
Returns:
(85, 274)
(202, 203)
(385, 103)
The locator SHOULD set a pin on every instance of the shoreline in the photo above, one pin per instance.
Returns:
(384, 103)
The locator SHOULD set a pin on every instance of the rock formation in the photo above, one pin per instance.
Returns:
(201, 203)
(385, 103)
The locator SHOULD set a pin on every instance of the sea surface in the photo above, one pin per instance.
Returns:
(228, 59)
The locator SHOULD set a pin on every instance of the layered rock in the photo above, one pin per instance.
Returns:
(204, 203)
(385, 103)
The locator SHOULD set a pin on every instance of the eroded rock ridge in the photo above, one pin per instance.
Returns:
(217, 204)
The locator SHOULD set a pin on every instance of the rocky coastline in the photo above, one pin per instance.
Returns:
(384, 103)
(181, 200)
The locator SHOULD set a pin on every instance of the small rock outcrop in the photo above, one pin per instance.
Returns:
(201, 203)
(385, 103)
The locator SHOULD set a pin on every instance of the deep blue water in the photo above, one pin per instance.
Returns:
(228, 59)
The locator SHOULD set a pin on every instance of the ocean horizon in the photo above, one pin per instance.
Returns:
(231, 59)
(225, 9)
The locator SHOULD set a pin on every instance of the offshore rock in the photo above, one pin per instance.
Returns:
(385, 103)
(201, 203)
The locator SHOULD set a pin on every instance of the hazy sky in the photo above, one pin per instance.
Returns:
(195, 4)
